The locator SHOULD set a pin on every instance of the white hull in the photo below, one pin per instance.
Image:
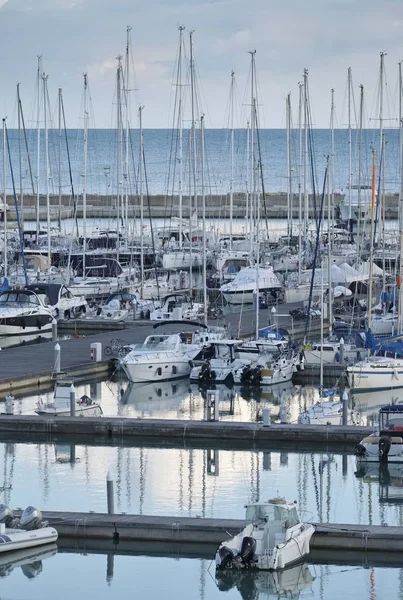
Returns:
(81, 411)
(157, 369)
(245, 297)
(376, 375)
(9, 330)
(300, 294)
(181, 260)
(327, 413)
(18, 539)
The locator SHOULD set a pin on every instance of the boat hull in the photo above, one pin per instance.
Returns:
(19, 539)
(365, 380)
(156, 370)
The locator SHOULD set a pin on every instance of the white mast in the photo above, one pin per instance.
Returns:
(60, 155)
(360, 168)
(289, 170)
(20, 158)
(119, 151)
(306, 197)
(256, 199)
(252, 155)
(85, 172)
(45, 115)
(371, 254)
(247, 199)
(180, 126)
(331, 166)
(231, 183)
(193, 102)
(400, 315)
(301, 91)
(349, 90)
(127, 140)
(5, 196)
(38, 144)
(141, 201)
(204, 222)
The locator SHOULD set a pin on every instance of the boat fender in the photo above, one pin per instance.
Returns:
(248, 548)
(23, 323)
(384, 445)
(395, 374)
(38, 324)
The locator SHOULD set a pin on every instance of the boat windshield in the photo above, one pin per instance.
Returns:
(18, 297)
(280, 513)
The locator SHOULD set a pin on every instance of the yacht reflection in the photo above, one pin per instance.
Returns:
(11, 341)
(266, 584)
(65, 453)
(389, 477)
(369, 403)
(155, 396)
(29, 559)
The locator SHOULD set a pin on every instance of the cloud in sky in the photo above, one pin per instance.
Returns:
(325, 36)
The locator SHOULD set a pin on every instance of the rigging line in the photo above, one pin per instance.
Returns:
(151, 223)
(69, 164)
(26, 147)
(16, 207)
(316, 249)
(261, 172)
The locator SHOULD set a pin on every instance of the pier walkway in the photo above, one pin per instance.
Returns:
(116, 528)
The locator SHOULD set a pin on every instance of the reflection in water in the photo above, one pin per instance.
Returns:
(389, 478)
(30, 560)
(10, 341)
(259, 585)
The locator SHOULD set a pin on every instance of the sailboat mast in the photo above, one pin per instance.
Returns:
(350, 154)
(38, 144)
(5, 197)
(20, 156)
(193, 102)
(231, 183)
(331, 170)
(400, 315)
(141, 201)
(60, 155)
(45, 117)
(306, 197)
(329, 229)
(301, 91)
(360, 169)
(256, 199)
(180, 127)
(127, 132)
(371, 253)
(85, 172)
(204, 221)
(119, 150)
(252, 152)
(289, 170)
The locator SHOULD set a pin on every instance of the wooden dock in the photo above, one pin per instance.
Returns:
(193, 530)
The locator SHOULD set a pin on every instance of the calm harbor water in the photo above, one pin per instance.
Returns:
(105, 577)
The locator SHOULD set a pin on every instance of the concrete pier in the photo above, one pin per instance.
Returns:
(117, 528)
(115, 428)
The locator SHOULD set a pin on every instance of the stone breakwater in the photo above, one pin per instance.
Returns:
(274, 206)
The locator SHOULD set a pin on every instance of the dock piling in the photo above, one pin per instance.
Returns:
(9, 400)
(72, 400)
(57, 363)
(110, 494)
(266, 417)
(54, 330)
(345, 407)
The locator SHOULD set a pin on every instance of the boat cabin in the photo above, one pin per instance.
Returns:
(226, 350)
(12, 297)
(276, 512)
(391, 419)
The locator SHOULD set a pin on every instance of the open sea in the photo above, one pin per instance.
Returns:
(161, 160)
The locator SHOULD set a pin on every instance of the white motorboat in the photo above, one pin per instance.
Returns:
(268, 369)
(386, 444)
(289, 583)
(328, 412)
(22, 313)
(28, 531)
(376, 372)
(221, 367)
(60, 406)
(329, 353)
(273, 539)
(155, 398)
(58, 298)
(242, 289)
(182, 258)
(165, 357)
(176, 307)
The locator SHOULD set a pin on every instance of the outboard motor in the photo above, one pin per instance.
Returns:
(360, 449)
(7, 517)
(224, 557)
(31, 518)
(384, 447)
(256, 376)
(248, 548)
(246, 374)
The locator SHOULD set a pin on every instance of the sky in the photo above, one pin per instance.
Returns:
(324, 36)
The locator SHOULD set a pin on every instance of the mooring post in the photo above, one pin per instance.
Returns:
(266, 417)
(54, 330)
(57, 363)
(72, 400)
(341, 351)
(345, 407)
(109, 494)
